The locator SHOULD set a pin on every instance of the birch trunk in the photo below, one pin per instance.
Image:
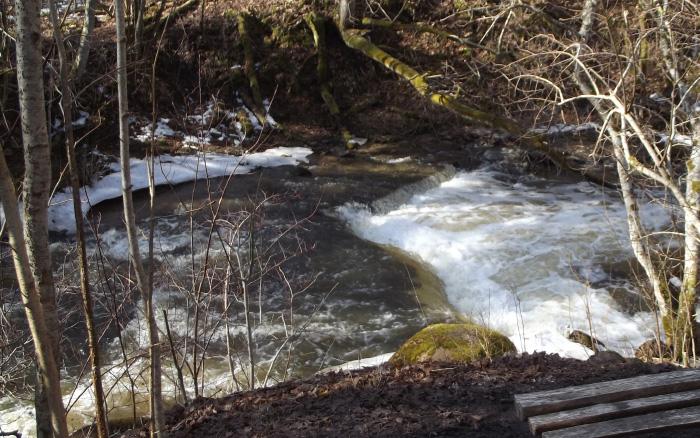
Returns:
(67, 109)
(637, 235)
(684, 336)
(32, 305)
(37, 186)
(347, 13)
(687, 299)
(156, 404)
(587, 20)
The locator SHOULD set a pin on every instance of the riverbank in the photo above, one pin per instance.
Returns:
(442, 400)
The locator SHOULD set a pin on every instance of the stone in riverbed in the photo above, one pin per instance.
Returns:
(649, 351)
(607, 358)
(586, 340)
(456, 343)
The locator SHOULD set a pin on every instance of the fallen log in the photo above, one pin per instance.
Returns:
(318, 28)
(355, 40)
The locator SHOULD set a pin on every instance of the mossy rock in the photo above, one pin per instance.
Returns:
(455, 343)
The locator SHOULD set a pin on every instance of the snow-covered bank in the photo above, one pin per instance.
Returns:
(359, 364)
(169, 169)
(520, 256)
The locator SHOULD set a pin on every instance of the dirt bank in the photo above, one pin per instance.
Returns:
(474, 400)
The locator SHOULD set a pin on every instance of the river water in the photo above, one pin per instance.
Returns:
(530, 257)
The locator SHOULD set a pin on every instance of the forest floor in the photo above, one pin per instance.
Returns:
(441, 400)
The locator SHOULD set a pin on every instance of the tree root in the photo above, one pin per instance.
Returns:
(249, 68)
(355, 40)
(318, 28)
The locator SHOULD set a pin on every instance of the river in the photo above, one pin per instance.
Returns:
(377, 250)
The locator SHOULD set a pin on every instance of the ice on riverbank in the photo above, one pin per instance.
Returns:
(169, 169)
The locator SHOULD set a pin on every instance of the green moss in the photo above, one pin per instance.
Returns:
(452, 343)
(695, 185)
(246, 124)
(461, 5)
(230, 14)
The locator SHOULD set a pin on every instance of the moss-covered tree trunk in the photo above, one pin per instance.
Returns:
(355, 40)
(318, 28)
(249, 67)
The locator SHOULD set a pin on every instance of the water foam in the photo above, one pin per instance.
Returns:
(519, 255)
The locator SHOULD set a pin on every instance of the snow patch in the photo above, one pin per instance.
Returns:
(359, 364)
(563, 128)
(169, 169)
(399, 160)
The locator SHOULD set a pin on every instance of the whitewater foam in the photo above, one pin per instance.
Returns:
(515, 255)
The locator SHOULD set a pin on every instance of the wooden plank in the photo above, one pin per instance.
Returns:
(654, 422)
(608, 411)
(545, 402)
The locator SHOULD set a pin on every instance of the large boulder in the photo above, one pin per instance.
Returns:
(452, 343)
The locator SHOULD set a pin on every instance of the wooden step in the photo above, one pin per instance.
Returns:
(608, 411)
(654, 422)
(545, 402)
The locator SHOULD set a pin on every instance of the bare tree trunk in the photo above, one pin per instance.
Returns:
(37, 184)
(227, 323)
(318, 28)
(245, 270)
(32, 304)
(30, 250)
(81, 58)
(587, 20)
(687, 299)
(138, 28)
(637, 235)
(157, 420)
(348, 9)
(67, 109)
(684, 336)
(5, 71)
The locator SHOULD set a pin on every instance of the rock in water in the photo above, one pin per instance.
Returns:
(586, 340)
(653, 349)
(455, 343)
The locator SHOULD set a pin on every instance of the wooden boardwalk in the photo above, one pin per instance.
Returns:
(623, 407)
